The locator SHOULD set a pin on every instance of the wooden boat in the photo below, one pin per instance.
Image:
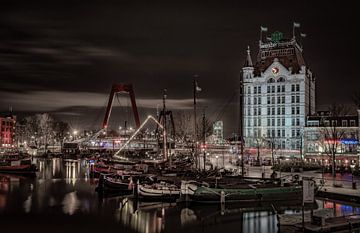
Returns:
(23, 167)
(158, 191)
(116, 167)
(114, 183)
(201, 192)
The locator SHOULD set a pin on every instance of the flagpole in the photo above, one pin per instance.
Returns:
(164, 130)
(293, 30)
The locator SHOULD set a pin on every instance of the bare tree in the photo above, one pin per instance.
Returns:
(184, 127)
(356, 99)
(60, 128)
(46, 123)
(332, 133)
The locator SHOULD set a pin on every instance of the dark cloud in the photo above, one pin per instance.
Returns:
(61, 54)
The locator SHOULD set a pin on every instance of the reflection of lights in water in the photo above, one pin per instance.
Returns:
(56, 166)
(149, 220)
(187, 216)
(2, 201)
(72, 171)
(52, 201)
(27, 204)
(41, 165)
(70, 203)
(261, 221)
(341, 209)
(4, 184)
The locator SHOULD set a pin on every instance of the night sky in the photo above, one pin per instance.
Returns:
(63, 56)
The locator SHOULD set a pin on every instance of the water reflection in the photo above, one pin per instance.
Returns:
(70, 203)
(65, 188)
(340, 209)
(144, 217)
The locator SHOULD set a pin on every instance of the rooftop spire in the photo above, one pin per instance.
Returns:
(248, 61)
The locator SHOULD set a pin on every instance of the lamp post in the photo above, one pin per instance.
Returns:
(75, 133)
(217, 161)
(322, 167)
(271, 141)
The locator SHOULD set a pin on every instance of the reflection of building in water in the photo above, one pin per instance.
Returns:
(4, 188)
(70, 203)
(261, 221)
(244, 218)
(15, 190)
(143, 219)
(340, 209)
(72, 169)
(56, 167)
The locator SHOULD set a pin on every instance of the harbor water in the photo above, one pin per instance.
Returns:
(62, 198)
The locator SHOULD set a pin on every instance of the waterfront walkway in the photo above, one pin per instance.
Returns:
(343, 189)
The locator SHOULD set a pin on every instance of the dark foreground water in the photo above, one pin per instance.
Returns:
(62, 199)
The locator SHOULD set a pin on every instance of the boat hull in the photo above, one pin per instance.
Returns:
(146, 193)
(19, 169)
(205, 194)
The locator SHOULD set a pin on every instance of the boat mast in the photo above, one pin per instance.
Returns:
(204, 138)
(195, 127)
(164, 125)
(241, 123)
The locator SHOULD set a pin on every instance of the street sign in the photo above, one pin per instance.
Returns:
(308, 191)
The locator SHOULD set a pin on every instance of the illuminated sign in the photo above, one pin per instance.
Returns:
(348, 141)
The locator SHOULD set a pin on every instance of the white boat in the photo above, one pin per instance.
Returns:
(160, 190)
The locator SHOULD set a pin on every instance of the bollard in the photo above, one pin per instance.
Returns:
(354, 185)
(263, 175)
(222, 197)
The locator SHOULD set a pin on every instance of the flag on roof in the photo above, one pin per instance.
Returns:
(264, 29)
(197, 87)
(296, 25)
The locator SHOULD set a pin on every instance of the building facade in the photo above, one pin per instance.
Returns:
(7, 131)
(326, 135)
(279, 92)
(218, 132)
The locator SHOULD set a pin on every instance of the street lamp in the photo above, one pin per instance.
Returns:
(75, 133)
(217, 161)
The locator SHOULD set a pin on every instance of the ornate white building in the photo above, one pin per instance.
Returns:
(279, 92)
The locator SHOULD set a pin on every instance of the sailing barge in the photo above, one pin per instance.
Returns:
(245, 191)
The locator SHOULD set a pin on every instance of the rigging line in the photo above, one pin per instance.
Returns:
(118, 99)
(221, 107)
(99, 112)
(225, 106)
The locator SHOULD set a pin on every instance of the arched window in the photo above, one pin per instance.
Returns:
(281, 80)
(271, 80)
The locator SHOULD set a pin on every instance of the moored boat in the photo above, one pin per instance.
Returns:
(158, 191)
(200, 192)
(23, 167)
(114, 183)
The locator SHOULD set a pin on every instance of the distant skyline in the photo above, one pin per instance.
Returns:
(63, 56)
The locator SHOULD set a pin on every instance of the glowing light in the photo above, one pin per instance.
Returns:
(349, 141)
